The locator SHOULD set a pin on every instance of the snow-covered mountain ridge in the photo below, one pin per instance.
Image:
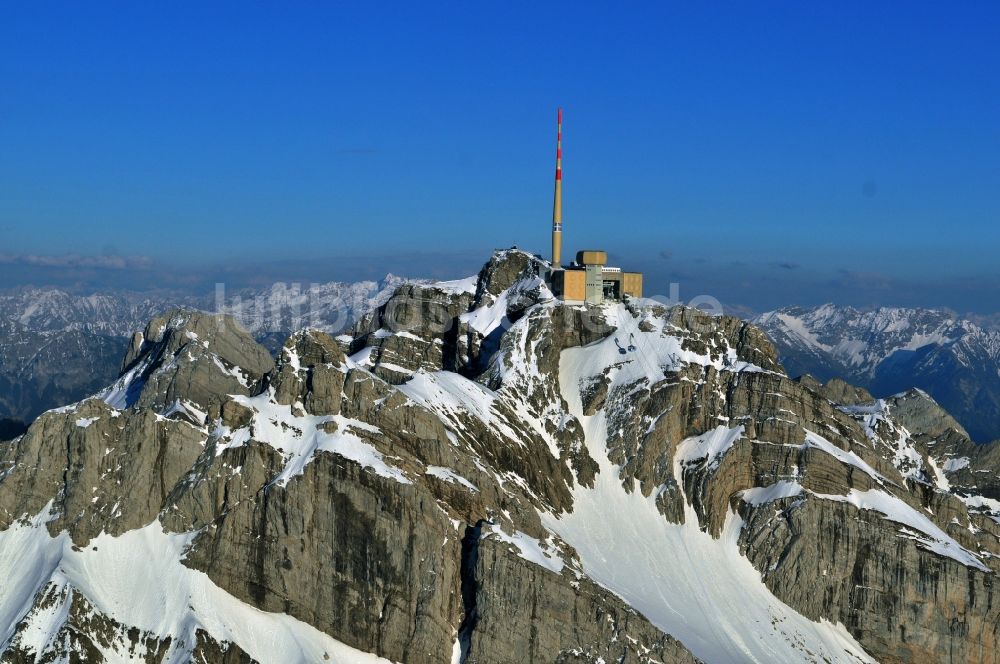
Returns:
(888, 350)
(479, 473)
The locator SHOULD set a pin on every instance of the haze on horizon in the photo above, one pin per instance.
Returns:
(768, 156)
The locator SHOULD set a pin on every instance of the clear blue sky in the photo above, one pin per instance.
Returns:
(800, 142)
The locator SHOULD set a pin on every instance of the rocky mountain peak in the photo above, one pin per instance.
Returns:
(486, 474)
(310, 348)
(504, 269)
(189, 357)
(920, 413)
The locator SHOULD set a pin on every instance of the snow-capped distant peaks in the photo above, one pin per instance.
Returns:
(889, 350)
(863, 339)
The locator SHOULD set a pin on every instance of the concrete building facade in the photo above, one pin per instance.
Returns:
(589, 279)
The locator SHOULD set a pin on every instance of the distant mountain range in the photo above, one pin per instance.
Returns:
(57, 347)
(889, 350)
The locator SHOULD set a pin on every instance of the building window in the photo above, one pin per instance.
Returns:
(612, 290)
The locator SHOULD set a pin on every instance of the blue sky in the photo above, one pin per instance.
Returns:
(767, 152)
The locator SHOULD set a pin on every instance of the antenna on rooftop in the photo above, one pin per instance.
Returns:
(557, 202)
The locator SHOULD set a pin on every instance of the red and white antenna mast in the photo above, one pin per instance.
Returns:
(557, 203)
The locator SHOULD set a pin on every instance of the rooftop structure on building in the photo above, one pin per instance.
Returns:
(589, 279)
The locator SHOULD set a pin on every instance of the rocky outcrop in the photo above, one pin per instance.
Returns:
(911, 606)
(366, 559)
(96, 470)
(192, 356)
(838, 391)
(919, 413)
(455, 326)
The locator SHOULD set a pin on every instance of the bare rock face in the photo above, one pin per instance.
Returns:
(502, 272)
(372, 562)
(919, 413)
(311, 373)
(418, 328)
(83, 464)
(405, 493)
(908, 607)
(582, 623)
(190, 356)
(838, 391)
(455, 326)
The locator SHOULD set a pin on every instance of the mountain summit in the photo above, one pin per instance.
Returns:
(481, 473)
